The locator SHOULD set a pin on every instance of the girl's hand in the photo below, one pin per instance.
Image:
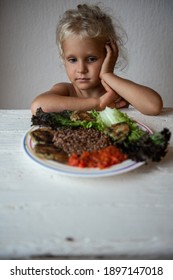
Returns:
(111, 99)
(110, 58)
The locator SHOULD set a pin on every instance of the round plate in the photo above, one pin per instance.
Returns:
(60, 168)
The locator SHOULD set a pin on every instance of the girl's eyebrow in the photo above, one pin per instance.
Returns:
(68, 54)
(86, 55)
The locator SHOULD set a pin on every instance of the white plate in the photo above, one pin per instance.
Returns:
(120, 168)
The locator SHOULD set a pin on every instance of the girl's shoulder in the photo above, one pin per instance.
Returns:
(65, 89)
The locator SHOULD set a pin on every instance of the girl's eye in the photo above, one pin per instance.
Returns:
(72, 60)
(92, 59)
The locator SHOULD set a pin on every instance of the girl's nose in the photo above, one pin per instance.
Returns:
(81, 67)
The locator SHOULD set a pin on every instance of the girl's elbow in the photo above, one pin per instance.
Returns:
(159, 106)
(34, 106)
(156, 107)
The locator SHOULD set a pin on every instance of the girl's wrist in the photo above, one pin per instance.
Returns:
(106, 74)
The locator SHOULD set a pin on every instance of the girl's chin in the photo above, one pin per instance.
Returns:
(83, 86)
(88, 86)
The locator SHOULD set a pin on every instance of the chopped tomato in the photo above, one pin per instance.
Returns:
(102, 158)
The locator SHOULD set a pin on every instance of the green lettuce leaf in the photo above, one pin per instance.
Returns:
(115, 116)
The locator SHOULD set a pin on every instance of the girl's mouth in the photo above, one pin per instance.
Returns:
(82, 80)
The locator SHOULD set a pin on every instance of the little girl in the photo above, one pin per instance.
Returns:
(90, 47)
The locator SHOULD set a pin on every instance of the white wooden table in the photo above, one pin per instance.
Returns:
(44, 214)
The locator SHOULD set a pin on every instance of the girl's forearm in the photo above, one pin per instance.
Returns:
(144, 99)
(50, 102)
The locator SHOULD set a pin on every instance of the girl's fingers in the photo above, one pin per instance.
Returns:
(121, 104)
(108, 49)
(114, 47)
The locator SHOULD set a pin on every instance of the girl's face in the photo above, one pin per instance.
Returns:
(83, 60)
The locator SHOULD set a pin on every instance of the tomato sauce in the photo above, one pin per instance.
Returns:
(102, 158)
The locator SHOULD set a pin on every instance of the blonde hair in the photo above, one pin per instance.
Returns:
(90, 21)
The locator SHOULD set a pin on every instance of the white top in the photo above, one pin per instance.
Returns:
(43, 213)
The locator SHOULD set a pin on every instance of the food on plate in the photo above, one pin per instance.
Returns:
(80, 115)
(43, 135)
(79, 132)
(102, 158)
(49, 151)
(118, 132)
(44, 147)
(79, 139)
